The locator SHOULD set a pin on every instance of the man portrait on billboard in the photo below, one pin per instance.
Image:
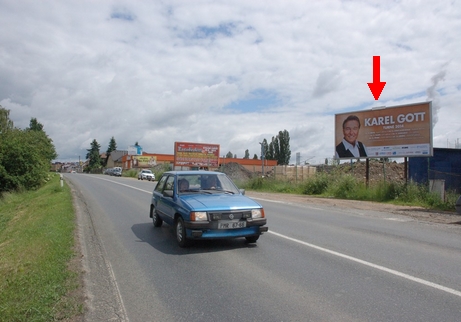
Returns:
(350, 147)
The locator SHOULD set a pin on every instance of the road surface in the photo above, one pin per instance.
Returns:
(316, 263)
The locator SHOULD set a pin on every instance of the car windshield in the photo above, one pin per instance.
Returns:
(206, 183)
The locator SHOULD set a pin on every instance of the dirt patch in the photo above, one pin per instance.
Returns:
(236, 172)
(378, 171)
(416, 213)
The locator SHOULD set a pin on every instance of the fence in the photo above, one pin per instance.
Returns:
(293, 173)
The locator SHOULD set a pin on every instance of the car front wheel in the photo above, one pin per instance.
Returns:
(181, 233)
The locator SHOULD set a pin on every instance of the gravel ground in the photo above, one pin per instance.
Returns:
(391, 171)
(416, 213)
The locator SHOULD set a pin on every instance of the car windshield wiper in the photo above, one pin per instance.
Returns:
(189, 190)
(217, 190)
(228, 191)
(208, 191)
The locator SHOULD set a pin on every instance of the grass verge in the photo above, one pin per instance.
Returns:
(345, 186)
(37, 243)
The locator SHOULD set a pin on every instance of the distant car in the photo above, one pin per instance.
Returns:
(116, 172)
(205, 205)
(146, 175)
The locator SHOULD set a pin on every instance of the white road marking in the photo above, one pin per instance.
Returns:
(357, 260)
(378, 267)
(126, 185)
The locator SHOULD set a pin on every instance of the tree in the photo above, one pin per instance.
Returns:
(255, 157)
(112, 147)
(247, 154)
(284, 148)
(93, 156)
(34, 125)
(25, 155)
(5, 123)
(229, 155)
(275, 148)
(268, 155)
(39, 138)
(279, 148)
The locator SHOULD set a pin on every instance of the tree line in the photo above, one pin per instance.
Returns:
(25, 155)
(278, 149)
(94, 156)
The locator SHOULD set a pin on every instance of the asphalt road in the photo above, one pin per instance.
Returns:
(316, 263)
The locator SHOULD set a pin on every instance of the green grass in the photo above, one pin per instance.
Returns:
(345, 186)
(36, 247)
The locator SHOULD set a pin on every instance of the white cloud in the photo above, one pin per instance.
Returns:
(159, 72)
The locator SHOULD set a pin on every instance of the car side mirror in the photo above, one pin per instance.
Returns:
(168, 193)
(242, 191)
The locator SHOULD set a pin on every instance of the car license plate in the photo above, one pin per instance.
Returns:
(232, 224)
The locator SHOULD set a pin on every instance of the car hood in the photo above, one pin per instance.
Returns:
(221, 201)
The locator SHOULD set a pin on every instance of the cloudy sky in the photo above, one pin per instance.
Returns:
(224, 72)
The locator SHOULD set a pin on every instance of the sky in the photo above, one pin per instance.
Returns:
(223, 72)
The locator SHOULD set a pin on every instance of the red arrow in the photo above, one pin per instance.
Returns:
(377, 86)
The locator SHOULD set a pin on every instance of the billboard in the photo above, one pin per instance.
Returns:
(134, 150)
(196, 154)
(143, 161)
(393, 132)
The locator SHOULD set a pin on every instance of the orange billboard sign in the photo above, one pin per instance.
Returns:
(399, 131)
(196, 154)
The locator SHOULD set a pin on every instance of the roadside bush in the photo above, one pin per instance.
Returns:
(255, 183)
(25, 155)
(23, 164)
(159, 169)
(345, 187)
(316, 185)
(384, 191)
(412, 193)
(450, 200)
(132, 173)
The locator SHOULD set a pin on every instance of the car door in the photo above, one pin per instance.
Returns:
(166, 202)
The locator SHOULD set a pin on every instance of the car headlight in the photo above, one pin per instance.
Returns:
(257, 213)
(198, 216)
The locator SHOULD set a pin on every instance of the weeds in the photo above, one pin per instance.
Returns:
(345, 186)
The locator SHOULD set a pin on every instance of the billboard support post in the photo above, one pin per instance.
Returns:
(367, 175)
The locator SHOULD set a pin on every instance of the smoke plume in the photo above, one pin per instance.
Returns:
(433, 95)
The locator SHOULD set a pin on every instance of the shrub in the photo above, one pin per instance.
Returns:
(132, 173)
(345, 186)
(384, 191)
(316, 185)
(255, 183)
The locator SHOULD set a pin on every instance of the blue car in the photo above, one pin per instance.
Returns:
(205, 205)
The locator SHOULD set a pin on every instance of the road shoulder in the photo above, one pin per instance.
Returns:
(102, 297)
(417, 213)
